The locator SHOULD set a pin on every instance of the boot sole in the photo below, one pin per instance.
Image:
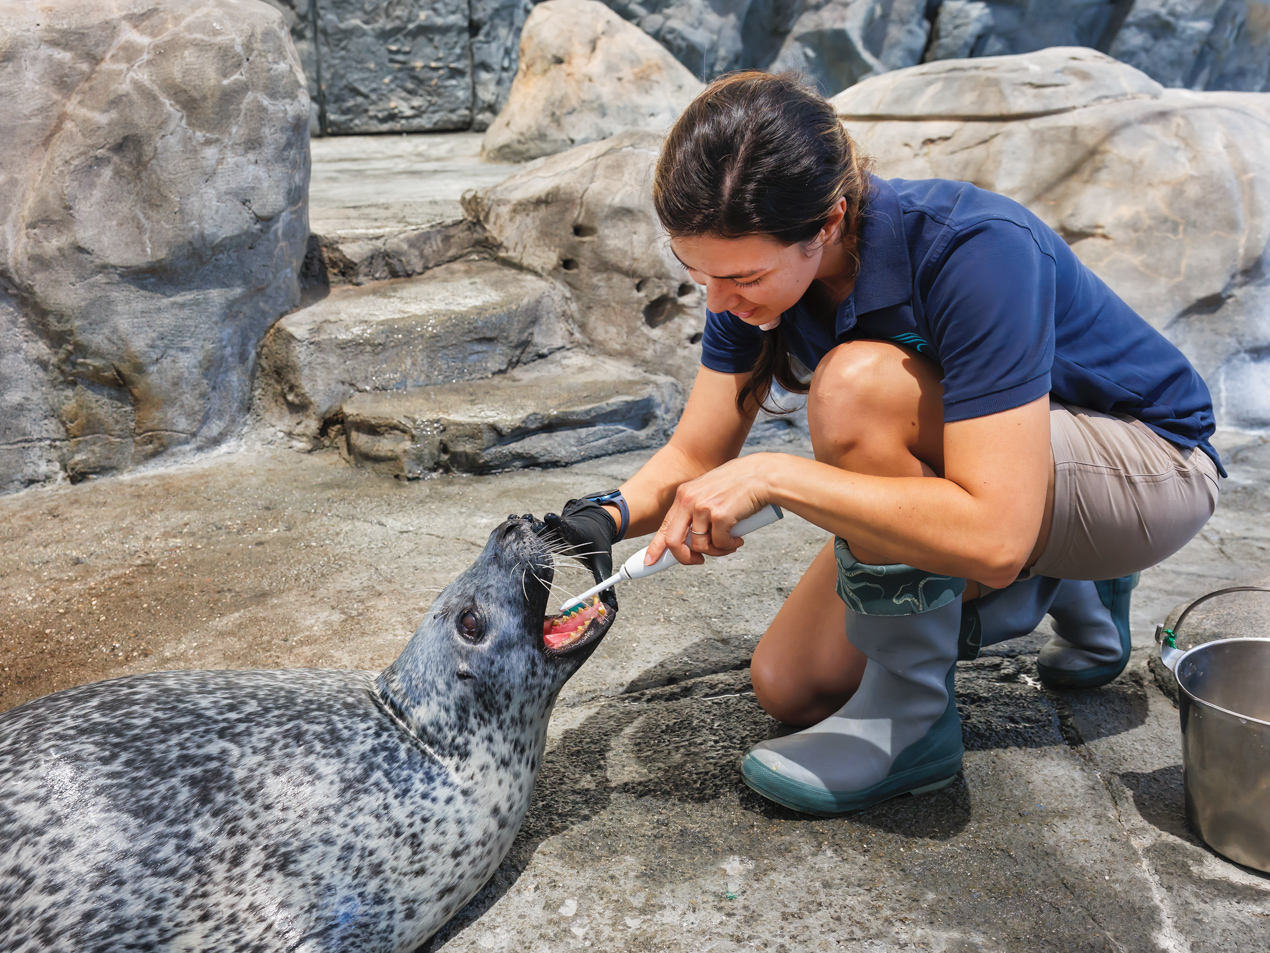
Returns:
(821, 802)
(1086, 678)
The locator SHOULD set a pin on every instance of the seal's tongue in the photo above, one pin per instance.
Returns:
(561, 631)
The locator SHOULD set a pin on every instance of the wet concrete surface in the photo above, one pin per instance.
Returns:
(1066, 831)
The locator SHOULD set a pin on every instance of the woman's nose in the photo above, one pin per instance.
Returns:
(719, 297)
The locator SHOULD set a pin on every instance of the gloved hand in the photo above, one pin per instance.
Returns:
(589, 533)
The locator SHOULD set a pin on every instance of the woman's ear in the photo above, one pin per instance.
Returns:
(833, 232)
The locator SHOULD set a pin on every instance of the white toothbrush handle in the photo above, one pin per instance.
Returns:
(634, 567)
(767, 515)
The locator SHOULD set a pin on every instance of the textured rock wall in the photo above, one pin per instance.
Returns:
(406, 65)
(153, 181)
(421, 65)
(1200, 44)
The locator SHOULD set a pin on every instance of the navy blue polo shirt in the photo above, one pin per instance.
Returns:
(983, 287)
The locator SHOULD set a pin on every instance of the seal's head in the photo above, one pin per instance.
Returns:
(487, 649)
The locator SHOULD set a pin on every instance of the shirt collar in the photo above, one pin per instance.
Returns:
(886, 274)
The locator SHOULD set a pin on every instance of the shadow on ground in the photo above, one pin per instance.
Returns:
(677, 732)
(1161, 800)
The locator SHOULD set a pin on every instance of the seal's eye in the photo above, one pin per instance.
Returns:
(470, 626)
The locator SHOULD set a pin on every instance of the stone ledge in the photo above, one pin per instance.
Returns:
(567, 408)
(461, 321)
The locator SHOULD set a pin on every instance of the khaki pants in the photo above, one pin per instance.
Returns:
(1124, 497)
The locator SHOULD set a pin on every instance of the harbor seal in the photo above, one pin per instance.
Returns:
(298, 810)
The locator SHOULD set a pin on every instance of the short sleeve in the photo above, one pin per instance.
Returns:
(728, 344)
(990, 309)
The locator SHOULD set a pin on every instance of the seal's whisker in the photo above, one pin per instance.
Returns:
(576, 550)
(544, 583)
(562, 546)
(553, 587)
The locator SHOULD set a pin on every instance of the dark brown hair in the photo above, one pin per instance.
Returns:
(760, 154)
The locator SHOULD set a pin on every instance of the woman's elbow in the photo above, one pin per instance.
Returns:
(999, 563)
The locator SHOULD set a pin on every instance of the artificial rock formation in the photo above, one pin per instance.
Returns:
(1165, 194)
(584, 75)
(1200, 44)
(425, 65)
(153, 178)
(569, 407)
(461, 321)
(585, 218)
(406, 65)
(839, 42)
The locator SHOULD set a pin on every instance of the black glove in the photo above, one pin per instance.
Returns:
(588, 532)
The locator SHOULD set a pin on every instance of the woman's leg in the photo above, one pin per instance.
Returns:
(873, 408)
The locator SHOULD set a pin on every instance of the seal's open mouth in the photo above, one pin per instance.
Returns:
(581, 626)
(572, 629)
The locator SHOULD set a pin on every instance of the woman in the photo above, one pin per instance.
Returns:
(997, 437)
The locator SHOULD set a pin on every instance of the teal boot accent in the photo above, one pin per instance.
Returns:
(900, 733)
(1092, 643)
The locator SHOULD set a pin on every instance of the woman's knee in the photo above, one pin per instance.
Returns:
(873, 400)
(783, 697)
(804, 687)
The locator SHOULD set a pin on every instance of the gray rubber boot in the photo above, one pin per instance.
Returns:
(1091, 621)
(1005, 614)
(900, 732)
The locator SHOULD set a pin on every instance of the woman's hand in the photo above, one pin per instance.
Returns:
(701, 518)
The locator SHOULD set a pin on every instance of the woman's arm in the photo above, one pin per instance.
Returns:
(710, 433)
(979, 521)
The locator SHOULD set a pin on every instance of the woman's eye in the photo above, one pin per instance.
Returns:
(748, 284)
(470, 626)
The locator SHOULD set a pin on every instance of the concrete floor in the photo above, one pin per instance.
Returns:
(1065, 833)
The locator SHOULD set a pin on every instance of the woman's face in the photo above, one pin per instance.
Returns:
(755, 277)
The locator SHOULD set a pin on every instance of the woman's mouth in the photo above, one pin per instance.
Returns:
(743, 314)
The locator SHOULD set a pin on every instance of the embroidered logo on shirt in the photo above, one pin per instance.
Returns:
(912, 340)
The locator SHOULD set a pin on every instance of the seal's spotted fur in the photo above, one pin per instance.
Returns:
(286, 810)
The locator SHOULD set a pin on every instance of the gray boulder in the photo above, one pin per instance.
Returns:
(995, 89)
(584, 74)
(839, 42)
(706, 37)
(1165, 194)
(1023, 26)
(959, 30)
(1203, 44)
(495, 29)
(1197, 44)
(153, 175)
(585, 217)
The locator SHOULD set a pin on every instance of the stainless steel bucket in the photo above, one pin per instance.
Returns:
(1224, 702)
